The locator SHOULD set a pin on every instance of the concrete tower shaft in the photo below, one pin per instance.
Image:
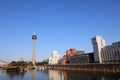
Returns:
(34, 37)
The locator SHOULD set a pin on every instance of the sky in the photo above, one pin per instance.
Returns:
(58, 24)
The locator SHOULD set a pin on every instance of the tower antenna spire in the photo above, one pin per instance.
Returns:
(34, 33)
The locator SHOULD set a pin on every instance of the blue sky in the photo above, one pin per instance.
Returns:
(59, 25)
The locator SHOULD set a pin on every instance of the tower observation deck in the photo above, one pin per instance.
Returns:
(34, 37)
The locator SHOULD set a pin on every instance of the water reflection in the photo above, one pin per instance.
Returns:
(57, 75)
(33, 74)
(13, 74)
(75, 75)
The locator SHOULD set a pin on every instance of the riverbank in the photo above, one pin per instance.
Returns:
(87, 67)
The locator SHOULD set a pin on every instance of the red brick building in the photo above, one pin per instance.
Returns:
(70, 52)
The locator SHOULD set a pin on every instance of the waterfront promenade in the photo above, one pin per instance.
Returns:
(111, 67)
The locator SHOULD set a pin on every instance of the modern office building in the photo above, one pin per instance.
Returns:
(80, 52)
(98, 43)
(82, 58)
(111, 53)
(55, 58)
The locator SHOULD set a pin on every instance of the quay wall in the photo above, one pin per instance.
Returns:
(87, 67)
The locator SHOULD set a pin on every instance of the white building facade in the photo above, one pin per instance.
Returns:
(98, 43)
(55, 58)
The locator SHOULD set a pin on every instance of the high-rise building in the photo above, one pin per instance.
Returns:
(34, 37)
(98, 43)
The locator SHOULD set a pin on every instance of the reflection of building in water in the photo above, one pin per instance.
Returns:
(103, 78)
(33, 74)
(65, 76)
(55, 58)
(55, 75)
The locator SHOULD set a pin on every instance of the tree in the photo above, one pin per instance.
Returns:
(18, 64)
(42, 62)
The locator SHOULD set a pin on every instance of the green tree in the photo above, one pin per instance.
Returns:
(42, 62)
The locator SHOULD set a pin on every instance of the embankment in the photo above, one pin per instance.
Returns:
(87, 67)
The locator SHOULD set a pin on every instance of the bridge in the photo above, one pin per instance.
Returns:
(3, 63)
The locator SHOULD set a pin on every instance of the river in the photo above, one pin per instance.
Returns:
(57, 75)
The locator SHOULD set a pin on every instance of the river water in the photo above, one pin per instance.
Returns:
(57, 75)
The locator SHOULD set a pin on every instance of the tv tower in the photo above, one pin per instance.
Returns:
(34, 37)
